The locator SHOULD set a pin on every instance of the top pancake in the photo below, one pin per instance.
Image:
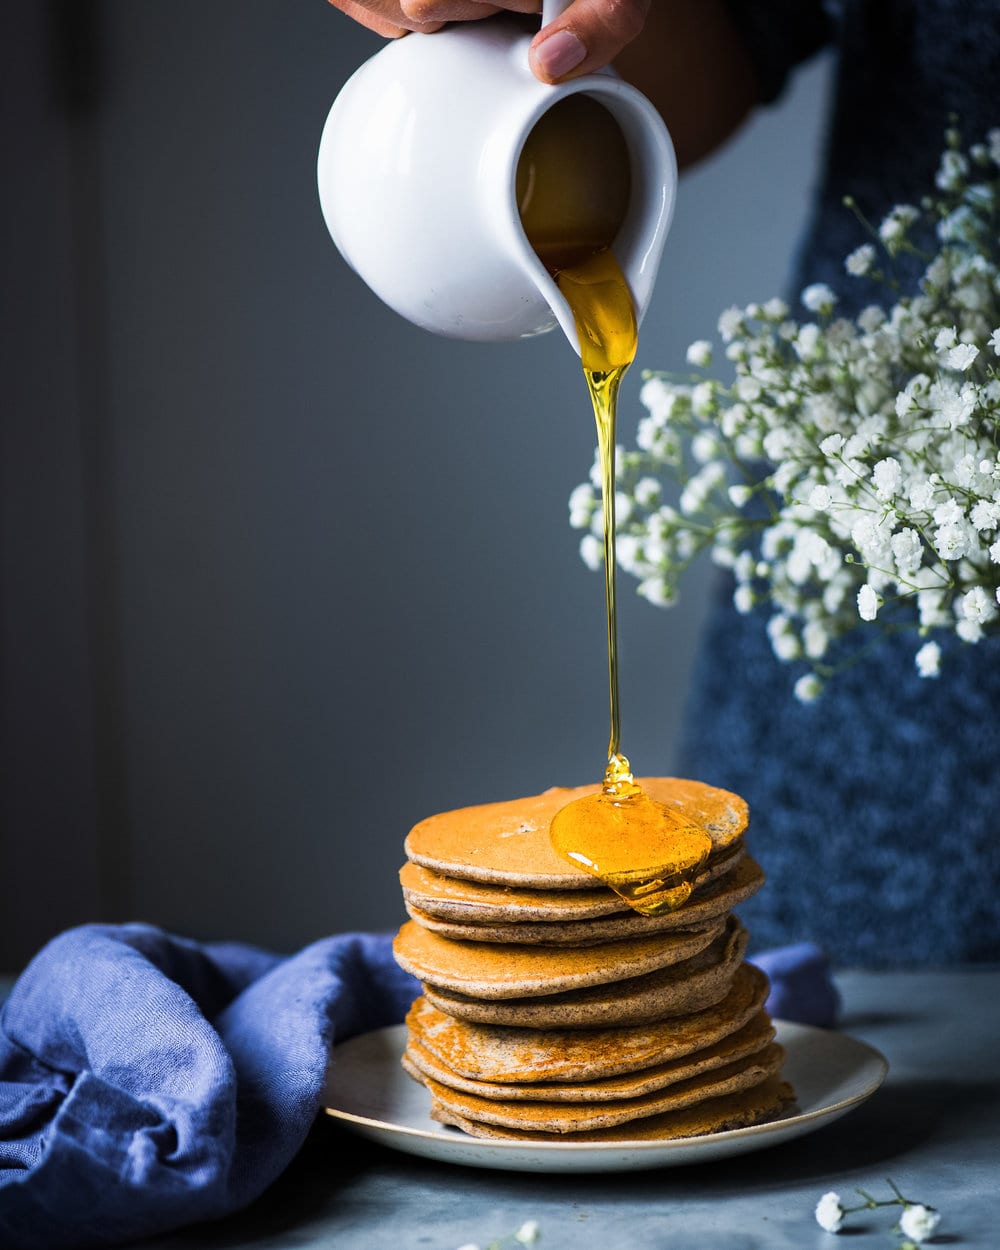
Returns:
(508, 843)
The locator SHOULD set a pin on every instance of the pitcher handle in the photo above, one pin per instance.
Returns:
(551, 9)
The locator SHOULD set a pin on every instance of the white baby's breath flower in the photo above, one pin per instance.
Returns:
(870, 318)
(962, 356)
(985, 515)
(656, 591)
(730, 324)
(964, 471)
(807, 690)
(832, 444)
(786, 646)
(739, 496)
(905, 404)
(743, 599)
(528, 1233)
(952, 170)
(582, 502)
(703, 398)
(953, 540)
(818, 298)
(893, 227)
(919, 1222)
(958, 406)
(591, 552)
(830, 1212)
(907, 551)
(647, 492)
(860, 260)
(807, 343)
(868, 603)
(977, 605)
(920, 493)
(815, 639)
(994, 341)
(887, 477)
(699, 354)
(658, 397)
(748, 389)
(928, 660)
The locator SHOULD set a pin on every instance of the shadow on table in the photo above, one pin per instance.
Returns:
(332, 1187)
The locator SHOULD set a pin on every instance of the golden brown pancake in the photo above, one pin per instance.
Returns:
(473, 902)
(577, 1117)
(703, 907)
(756, 1105)
(601, 1087)
(499, 1053)
(493, 970)
(680, 989)
(508, 843)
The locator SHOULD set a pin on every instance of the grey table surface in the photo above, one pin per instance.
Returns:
(933, 1128)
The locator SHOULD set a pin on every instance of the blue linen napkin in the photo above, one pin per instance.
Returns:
(148, 1081)
(802, 987)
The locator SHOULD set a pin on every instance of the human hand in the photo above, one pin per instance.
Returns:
(586, 36)
(393, 18)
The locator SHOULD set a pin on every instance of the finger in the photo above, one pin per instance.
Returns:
(522, 6)
(426, 12)
(384, 17)
(465, 10)
(588, 35)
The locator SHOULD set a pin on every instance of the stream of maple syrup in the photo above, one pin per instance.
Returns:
(573, 184)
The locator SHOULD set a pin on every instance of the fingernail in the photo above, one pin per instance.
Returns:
(560, 53)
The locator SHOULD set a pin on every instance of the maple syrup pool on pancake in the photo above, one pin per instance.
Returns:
(573, 185)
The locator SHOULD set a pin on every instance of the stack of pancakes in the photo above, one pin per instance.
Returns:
(551, 1008)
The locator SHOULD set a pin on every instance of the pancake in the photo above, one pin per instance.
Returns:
(450, 898)
(714, 901)
(498, 1053)
(678, 990)
(581, 1116)
(755, 1105)
(508, 843)
(492, 970)
(757, 1033)
(551, 1010)
(474, 902)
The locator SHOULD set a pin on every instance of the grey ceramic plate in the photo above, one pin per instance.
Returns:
(370, 1094)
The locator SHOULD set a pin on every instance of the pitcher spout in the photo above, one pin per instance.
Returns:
(612, 171)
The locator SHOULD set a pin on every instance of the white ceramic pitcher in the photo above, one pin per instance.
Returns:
(416, 173)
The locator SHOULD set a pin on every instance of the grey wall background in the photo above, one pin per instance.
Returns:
(281, 573)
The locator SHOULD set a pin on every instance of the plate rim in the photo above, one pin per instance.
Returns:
(446, 1145)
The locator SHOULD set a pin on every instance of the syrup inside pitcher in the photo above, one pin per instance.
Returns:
(573, 182)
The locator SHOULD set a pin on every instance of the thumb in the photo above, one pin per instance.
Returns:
(585, 37)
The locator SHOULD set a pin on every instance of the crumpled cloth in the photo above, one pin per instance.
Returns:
(802, 986)
(148, 1081)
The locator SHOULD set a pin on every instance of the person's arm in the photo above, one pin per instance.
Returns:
(691, 62)
(685, 55)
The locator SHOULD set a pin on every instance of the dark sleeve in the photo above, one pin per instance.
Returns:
(779, 35)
